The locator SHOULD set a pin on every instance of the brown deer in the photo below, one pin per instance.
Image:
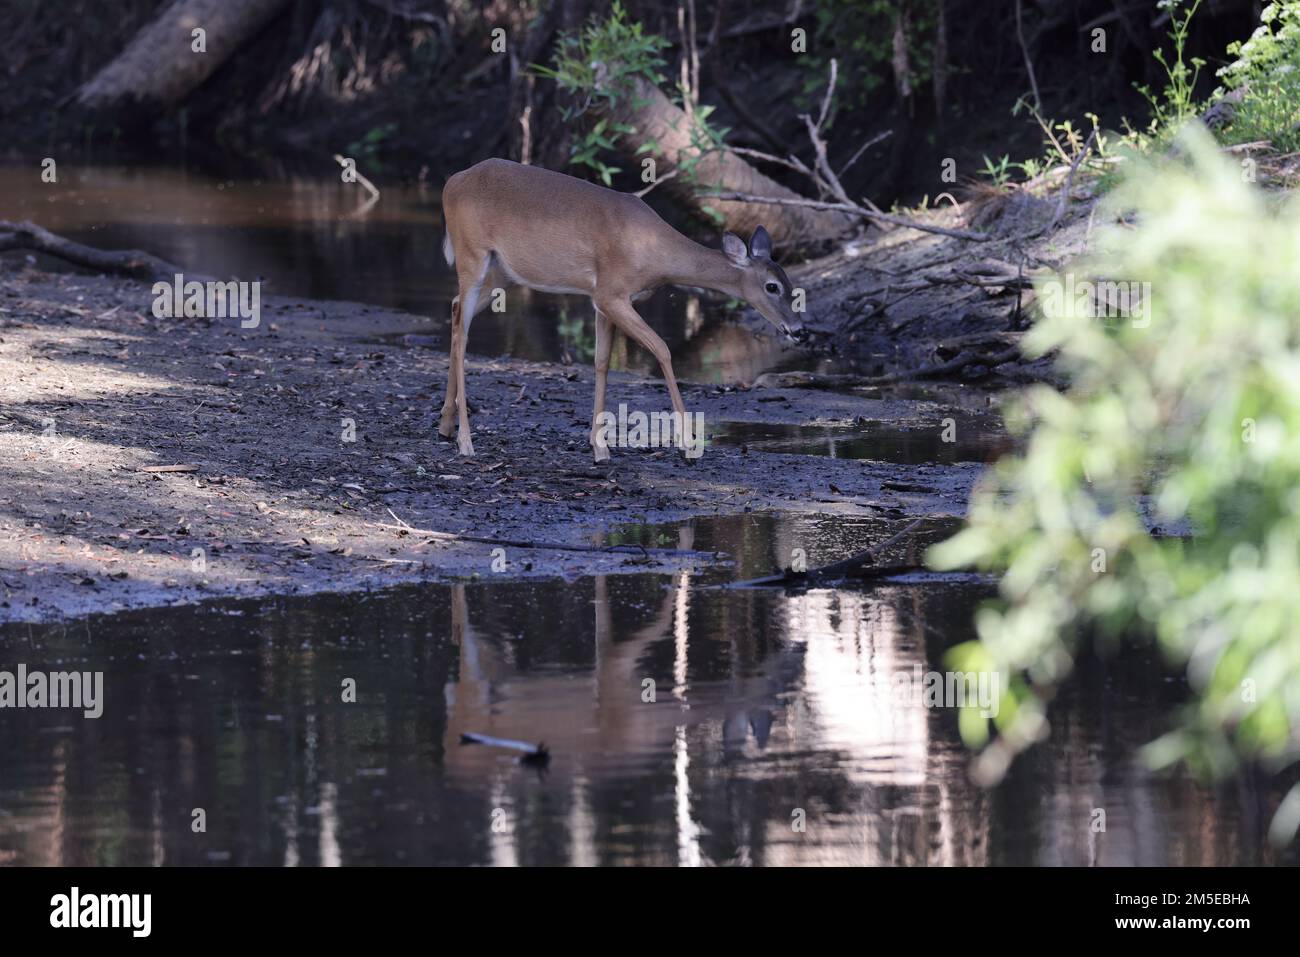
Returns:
(523, 225)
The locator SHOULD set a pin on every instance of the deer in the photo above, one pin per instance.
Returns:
(513, 224)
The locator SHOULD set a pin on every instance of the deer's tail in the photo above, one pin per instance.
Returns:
(448, 252)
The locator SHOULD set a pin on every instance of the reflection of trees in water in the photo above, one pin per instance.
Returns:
(766, 703)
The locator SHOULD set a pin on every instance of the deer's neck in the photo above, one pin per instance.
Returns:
(690, 264)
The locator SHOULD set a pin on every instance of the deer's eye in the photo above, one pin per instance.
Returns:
(773, 288)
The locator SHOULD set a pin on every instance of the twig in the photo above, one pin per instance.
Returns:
(1029, 63)
(361, 178)
(830, 92)
(469, 737)
(829, 180)
(1069, 182)
(863, 148)
(792, 162)
(658, 180)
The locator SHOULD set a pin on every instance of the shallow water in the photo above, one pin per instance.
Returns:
(300, 236)
(769, 708)
(868, 441)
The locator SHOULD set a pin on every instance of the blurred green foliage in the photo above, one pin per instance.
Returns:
(1186, 414)
(1266, 69)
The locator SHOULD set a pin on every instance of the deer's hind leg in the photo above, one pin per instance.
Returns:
(479, 280)
(447, 419)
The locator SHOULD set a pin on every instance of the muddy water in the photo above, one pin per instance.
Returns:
(768, 709)
(301, 236)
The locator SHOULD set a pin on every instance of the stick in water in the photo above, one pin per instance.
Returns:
(533, 753)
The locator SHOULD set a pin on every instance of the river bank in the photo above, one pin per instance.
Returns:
(151, 461)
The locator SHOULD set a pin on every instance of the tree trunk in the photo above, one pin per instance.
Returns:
(664, 131)
(160, 67)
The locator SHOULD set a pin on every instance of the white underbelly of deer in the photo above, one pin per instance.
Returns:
(582, 285)
(509, 224)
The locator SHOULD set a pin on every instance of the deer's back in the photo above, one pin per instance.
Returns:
(548, 228)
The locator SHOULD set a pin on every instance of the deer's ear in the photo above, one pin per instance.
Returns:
(734, 247)
(760, 244)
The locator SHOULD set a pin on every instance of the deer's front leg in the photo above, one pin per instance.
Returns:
(623, 315)
(604, 342)
(448, 418)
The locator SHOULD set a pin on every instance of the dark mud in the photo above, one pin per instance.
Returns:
(94, 389)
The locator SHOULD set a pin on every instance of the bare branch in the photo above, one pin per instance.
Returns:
(369, 186)
(856, 210)
(1069, 181)
(1029, 63)
(830, 92)
(863, 148)
(658, 180)
(827, 175)
(793, 162)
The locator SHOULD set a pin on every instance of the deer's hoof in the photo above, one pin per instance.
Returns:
(600, 454)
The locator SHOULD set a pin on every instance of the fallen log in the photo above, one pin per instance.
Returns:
(161, 65)
(860, 566)
(941, 369)
(659, 128)
(132, 263)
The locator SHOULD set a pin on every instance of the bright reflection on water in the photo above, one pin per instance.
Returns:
(766, 704)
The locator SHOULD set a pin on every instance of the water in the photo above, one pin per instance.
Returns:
(869, 441)
(769, 707)
(299, 234)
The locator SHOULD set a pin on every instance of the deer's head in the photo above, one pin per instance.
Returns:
(764, 284)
